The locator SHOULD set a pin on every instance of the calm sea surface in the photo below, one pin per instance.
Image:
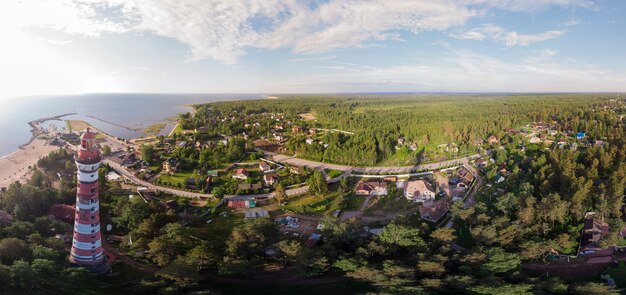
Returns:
(117, 114)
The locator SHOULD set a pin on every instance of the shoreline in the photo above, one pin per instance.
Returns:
(36, 130)
(17, 166)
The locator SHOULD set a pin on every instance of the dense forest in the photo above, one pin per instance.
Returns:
(378, 121)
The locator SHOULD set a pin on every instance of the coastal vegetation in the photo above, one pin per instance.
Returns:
(154, 129)
(76, 125)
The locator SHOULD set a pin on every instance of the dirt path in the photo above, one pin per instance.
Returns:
(365, 203)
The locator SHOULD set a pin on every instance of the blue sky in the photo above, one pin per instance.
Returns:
(291, 46)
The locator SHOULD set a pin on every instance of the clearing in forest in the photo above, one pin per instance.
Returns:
(308, 116)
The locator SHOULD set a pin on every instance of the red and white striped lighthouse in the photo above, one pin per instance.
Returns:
(87, 242)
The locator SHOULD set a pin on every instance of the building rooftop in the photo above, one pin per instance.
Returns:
(62, 212)
(417, 186)
(435, 210)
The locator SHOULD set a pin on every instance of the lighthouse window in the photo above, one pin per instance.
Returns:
(93, 190)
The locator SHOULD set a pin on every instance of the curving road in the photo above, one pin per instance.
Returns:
(372, 170)
(123, 171)
(297, 162)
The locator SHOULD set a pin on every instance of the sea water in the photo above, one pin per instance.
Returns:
(121, 115)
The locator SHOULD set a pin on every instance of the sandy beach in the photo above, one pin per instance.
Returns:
(14, 167)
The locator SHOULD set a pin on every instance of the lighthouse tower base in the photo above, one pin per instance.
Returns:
(100, 268)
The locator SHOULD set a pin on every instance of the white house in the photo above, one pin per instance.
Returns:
(241, 174)
(419, 191)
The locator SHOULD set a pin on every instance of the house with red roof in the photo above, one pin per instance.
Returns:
(371, 188)
(65, 213)
(434, 211)
(241, 174)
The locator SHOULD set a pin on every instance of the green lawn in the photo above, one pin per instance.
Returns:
(388, 204)
(250, 158)
(332, 173)
(178, 177)
(354, 202)
(217, 232)
(155, 167)
(313, 205)
(177, 129)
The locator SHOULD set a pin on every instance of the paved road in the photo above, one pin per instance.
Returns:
(372, 170)
(123, 171)
(291, 161)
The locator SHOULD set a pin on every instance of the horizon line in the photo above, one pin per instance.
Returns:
(322, 93)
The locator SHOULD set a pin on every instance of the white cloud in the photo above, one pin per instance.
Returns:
(457, 70)
(318, 58)
(532, 5)
(508, 38)
(515, 39)
(226, 29)
(82, 17)
(573, 22)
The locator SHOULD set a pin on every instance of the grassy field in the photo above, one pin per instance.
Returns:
(308, 116)
(178, 177)
(249, 158)
(79, 125)
(177, 129)
(354, 202)
(217, 232)
(154, 129)
(388, 204)
(76, 125)
(332, 173)
(313, 205)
